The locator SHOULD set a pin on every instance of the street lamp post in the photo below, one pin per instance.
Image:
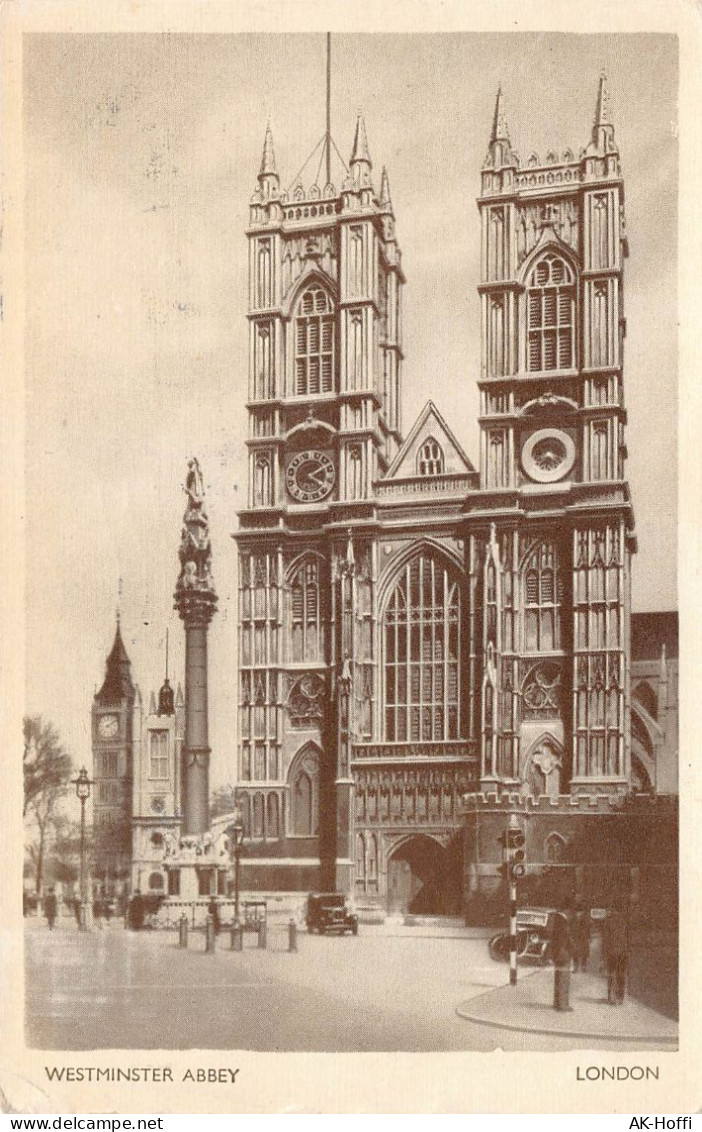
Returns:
(235, 833)
(82, 784)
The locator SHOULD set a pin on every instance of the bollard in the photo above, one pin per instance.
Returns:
(209, 933)
(292, 934)
(237, 936)
(262, 935)
(183, 931)
(561, 986)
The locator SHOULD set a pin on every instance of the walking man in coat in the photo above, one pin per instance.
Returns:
(615, 948)
(50, 908)
(135, 912)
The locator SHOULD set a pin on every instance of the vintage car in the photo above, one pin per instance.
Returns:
(534, 931)
(329, 912)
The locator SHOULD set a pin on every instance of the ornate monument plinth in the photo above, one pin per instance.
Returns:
(201, 863)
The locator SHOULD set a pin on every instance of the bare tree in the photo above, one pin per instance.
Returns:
(223, 801)
(46, 764)
(47, 770)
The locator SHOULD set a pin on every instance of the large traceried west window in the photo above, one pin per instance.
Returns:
(422, 661)
(551, 315)
(314, 343)
(542, 596)
(305, 612)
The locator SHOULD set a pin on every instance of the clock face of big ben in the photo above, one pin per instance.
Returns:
(108, 726)
(310, 476)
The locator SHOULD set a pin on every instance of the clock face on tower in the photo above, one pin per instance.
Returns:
(310, 476)
(108, 726)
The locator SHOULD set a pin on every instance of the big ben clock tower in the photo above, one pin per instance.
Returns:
(116, 729)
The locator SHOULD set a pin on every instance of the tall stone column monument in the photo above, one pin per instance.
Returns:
(196, 601)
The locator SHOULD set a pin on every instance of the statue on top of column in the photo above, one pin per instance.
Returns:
(195, 593)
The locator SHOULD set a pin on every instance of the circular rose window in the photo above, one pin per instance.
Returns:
(548, 455)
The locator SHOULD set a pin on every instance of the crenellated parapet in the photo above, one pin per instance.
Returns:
(516, 802)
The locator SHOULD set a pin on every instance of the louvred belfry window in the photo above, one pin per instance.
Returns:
(542, 593)
(551, 315)
(305, 612)
(422, 675)
(314, 344)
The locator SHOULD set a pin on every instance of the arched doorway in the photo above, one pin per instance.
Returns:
(417, 878)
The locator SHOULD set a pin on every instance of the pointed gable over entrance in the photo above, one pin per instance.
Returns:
(430, 450)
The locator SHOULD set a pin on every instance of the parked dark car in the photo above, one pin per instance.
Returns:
(329, 912)
(534, 931)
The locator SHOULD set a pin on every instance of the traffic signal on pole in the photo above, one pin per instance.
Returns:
(515, 852)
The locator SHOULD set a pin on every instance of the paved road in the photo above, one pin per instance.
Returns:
(374, 992)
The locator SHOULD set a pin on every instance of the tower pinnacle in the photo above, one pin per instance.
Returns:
(499, 122)
(268, 166)
(500, 154)
(268, 179)
(602, 111)
(360, 143)
(385, 199)
(603, 146)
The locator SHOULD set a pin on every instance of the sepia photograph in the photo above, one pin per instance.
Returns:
(351, 710)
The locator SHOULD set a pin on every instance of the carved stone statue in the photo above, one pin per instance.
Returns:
(194, 486)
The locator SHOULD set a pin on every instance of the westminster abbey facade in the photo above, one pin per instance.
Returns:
(425, 642)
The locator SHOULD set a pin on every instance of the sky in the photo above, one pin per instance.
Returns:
(141, 154)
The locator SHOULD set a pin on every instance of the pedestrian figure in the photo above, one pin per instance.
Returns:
(76, 909)
(615, 951)
(50, 908)
(97, 912)
(136, 911)
(108, 911)
(580, 932)
(213, 909)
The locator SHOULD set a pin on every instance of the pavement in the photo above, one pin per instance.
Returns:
(528, 1007)
(393, 987)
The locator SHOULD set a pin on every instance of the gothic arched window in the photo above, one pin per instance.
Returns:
(555, 849)
(430, 458)
(305, 612)
(262, 482)
(551, 315)
(303, 794)
(422, 675)
(272, 826)
(314, 343)
(542, 593)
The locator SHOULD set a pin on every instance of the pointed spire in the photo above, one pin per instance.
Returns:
(499, 122)
(602, 112)
(117, 684)
(385, 190)
(360, 142)
(268, 180)
(268, 167)
(663, 666)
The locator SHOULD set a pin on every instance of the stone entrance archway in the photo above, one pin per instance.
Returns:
(417, 880)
